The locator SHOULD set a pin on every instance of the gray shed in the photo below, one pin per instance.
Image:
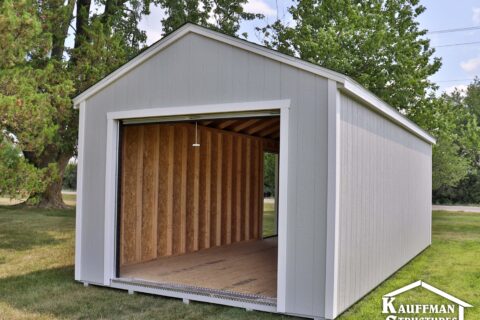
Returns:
(170, 179)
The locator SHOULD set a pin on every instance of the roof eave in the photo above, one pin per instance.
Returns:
(352, 88)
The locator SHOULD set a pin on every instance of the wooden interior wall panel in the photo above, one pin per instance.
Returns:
(177, 198)
(139, 198)
(259, 181)
(218, 189)
(205, 176)
(236, 221)
(227, 167)
(129, 195)
(164, 187)
(247, 189)
(256, 191)
(150, 193)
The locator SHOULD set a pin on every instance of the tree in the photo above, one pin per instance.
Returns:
(269, 173)
(378, 43)
(472, 98)
(23, 176)
(220, 15)
(33, 97)
(464, 186)
(458, 138)
(40, 73)
(70, 177)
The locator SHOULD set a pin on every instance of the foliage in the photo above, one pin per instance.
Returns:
(458, 138)
(269, 174)
(221, 15)
(378, 43)
(40, 73)
(70, 177)
(466, 137)
(24, 177)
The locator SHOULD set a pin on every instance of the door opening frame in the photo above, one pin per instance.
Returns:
(112, 170)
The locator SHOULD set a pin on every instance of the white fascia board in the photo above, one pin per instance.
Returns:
(354, 89)
(127, 67)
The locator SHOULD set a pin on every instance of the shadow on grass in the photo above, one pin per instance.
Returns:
(24, 240)
(22, 229)
(54, 293)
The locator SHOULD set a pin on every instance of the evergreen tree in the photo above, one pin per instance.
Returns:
(40, 74)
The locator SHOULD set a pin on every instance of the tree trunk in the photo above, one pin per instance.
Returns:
(52, 196)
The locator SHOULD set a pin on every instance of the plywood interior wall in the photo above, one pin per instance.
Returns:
(176, 198)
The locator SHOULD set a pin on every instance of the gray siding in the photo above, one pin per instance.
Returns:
(385, 200)
(194, 71)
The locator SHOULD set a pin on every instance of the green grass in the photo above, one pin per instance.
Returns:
(268, 218)
(36, 274)
(451, 263)
(68, 198)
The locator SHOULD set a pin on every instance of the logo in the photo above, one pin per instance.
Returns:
(450, 311)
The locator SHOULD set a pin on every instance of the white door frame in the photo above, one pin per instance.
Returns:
(113, 121)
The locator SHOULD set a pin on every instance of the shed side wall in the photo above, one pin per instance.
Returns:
(197, 71)
(385, 200)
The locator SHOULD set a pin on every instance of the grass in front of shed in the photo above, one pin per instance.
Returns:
(36, 274)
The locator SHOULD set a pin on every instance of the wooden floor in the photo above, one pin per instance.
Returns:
(247, 267)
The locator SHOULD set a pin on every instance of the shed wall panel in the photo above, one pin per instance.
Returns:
(196, 71)
(385, 200)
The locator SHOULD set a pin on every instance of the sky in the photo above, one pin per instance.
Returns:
(460, 63)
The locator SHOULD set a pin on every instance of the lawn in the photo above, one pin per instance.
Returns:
(36, 274)
(268, 218)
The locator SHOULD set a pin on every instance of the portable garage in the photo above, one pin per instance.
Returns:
(170, 179)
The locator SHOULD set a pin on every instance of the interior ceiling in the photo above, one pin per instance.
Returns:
(265, 127)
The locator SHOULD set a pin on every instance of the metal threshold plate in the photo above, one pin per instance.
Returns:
(215, 293)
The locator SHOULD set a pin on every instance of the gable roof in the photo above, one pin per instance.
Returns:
(429, 288)
(344, 83)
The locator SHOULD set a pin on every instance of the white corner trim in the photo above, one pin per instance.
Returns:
(282, 226)
(354, 89)
(79, 205)
(110, 200)
(333, 201)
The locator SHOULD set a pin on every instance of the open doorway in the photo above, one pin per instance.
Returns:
(191, 205)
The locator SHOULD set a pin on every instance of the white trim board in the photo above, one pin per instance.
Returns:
(348, 84)
(79, 206)
(333, 201)
(113, 121)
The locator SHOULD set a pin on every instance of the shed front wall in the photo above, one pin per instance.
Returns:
(197, 71)
(385, 200)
